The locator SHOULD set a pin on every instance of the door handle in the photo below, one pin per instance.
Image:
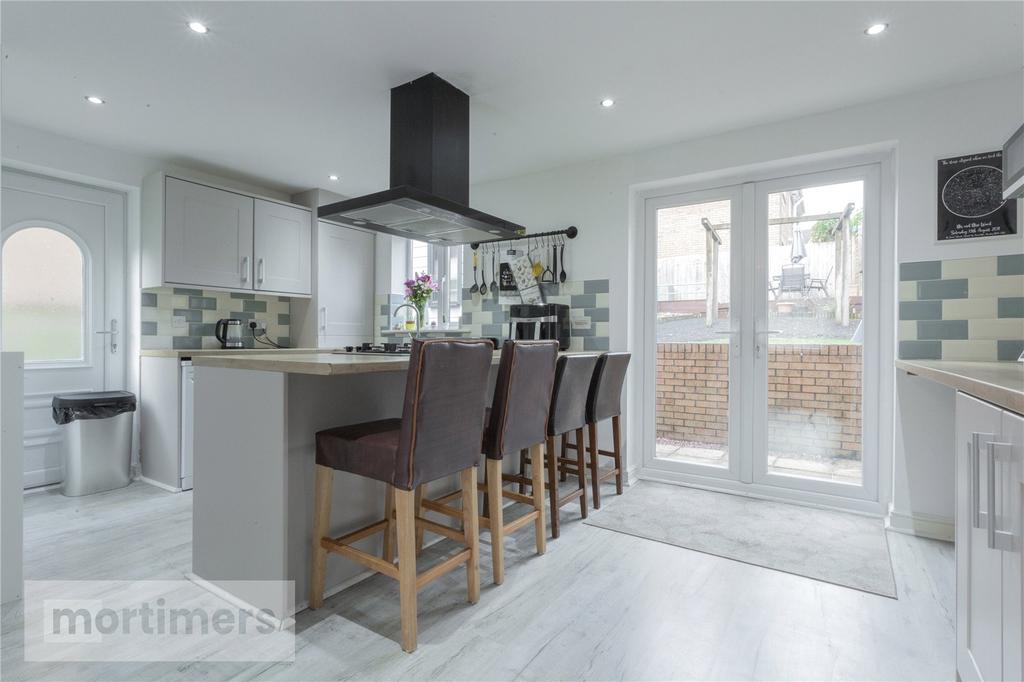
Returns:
(759, 334)
(112, 333)
(245, 268)
(974, 494)
(997, 539)
(323, 318)
(259, 272)
(733, 334)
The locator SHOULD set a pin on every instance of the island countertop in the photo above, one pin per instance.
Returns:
(321, 364)
(1000, 383)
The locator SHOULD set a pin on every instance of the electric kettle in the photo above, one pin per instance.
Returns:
(229, 333)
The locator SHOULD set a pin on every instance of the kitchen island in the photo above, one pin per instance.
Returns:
(256, 416)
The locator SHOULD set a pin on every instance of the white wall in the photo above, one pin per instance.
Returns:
(923, 127)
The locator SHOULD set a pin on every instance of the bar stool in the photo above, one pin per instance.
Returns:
(438, 435)
(516, 420)
(604, 401)
(568, 414)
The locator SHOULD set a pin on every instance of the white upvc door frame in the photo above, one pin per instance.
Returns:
(736, 195)
(878, 477)
(870, 175)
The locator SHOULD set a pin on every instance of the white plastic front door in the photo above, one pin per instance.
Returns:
(63, 300)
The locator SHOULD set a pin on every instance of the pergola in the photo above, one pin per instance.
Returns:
(841, 234)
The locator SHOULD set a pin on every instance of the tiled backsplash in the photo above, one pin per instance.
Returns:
(587, 300)
(201, 310)
(962, 309)
(482, 316)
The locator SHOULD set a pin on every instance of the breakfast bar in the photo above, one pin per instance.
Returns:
(256, 416)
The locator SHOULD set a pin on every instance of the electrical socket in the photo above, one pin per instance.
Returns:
(258, 325)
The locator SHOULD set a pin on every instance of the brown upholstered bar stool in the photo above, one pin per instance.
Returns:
(604, 401)
(516, 420)
(438, 435)
(568, 414)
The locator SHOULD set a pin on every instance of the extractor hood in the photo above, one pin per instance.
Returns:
(429, 173)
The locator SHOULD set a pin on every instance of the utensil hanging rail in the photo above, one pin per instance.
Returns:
(569, 232)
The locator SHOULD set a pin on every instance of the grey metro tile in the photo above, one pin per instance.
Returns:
(920, 350)
(920, 310)
(929, 269)
(941, 329)
(941, 288)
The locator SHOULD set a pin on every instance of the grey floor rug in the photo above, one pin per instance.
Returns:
(834, 547)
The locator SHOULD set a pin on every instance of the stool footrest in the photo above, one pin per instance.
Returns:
(451, 533)
(441, 508)
(359, 556)
(434, 572)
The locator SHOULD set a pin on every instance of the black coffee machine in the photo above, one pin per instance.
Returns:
(543, 321)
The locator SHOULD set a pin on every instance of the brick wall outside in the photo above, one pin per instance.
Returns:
(814, 397)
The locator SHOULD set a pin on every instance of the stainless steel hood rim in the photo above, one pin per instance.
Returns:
(467, 225)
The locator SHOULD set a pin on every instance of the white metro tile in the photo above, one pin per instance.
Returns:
(975, 351)
(1005, 328)
(908, 291)
(1009, 285)
(969, 308)
(969, 267)
(907, 330)
(156, 342)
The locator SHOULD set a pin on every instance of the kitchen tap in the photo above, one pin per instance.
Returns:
(415, 310)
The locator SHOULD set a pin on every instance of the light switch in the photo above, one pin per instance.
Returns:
(580, 323)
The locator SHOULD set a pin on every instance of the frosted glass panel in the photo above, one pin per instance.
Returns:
(43, 295)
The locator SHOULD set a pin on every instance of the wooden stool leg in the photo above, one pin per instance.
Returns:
(552, 484)
(388, 553)
(562, 476)
(405, 506)
(617, 448)
(321, 527)
(537, 455)
(594, 475)
(471, 529)
(581, 468)
(522, 469)
(497, 520)
(419, 512)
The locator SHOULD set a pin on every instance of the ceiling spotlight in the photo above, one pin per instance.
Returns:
(875, 29)
(607, 103)
(332, 177)
(93, 99)
(198, 27)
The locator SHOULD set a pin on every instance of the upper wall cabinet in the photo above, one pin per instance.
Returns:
(197, 235)
(282, 248)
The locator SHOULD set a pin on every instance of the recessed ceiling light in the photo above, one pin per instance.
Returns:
(93, 99)
(198, 27)
(332, 177)
(607, 103)
(875, 29)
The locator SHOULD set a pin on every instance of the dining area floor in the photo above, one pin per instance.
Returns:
(598, 604)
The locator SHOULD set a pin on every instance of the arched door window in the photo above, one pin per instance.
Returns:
(43, 295)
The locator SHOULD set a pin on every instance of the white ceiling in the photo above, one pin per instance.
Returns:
(285, 93)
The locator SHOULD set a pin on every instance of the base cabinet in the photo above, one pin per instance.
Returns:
(989, 448)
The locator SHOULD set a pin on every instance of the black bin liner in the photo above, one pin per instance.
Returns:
(91, 405)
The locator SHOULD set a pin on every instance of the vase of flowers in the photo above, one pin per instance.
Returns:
(418, 291)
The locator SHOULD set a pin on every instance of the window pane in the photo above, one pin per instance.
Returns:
(42, 295)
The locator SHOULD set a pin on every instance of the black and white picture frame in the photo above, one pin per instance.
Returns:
(970, 198)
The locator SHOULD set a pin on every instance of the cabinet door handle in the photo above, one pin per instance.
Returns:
(259, 272)
(974, 458)
(245, 268)
(997, 539)
(323, 318)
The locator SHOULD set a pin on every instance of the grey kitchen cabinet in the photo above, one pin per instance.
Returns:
(345, 279)
(198, 235)
(281, 248)
(208, 236)
(989, 455)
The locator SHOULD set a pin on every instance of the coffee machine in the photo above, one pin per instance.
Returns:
(540, 321)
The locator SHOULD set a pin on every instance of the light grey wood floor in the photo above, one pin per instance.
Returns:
(599, 605)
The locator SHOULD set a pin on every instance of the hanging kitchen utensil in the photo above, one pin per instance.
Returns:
(562, 276)
(494, 269)
(536, 266)
(483, 273)
(476, 287)
(548, 275)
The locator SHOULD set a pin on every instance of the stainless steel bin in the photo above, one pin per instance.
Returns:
(97, 440)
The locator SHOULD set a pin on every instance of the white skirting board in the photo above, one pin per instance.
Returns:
(921, 525)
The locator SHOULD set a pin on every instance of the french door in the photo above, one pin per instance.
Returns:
(761, 302)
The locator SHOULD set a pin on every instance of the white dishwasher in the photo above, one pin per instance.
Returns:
(188, 382)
